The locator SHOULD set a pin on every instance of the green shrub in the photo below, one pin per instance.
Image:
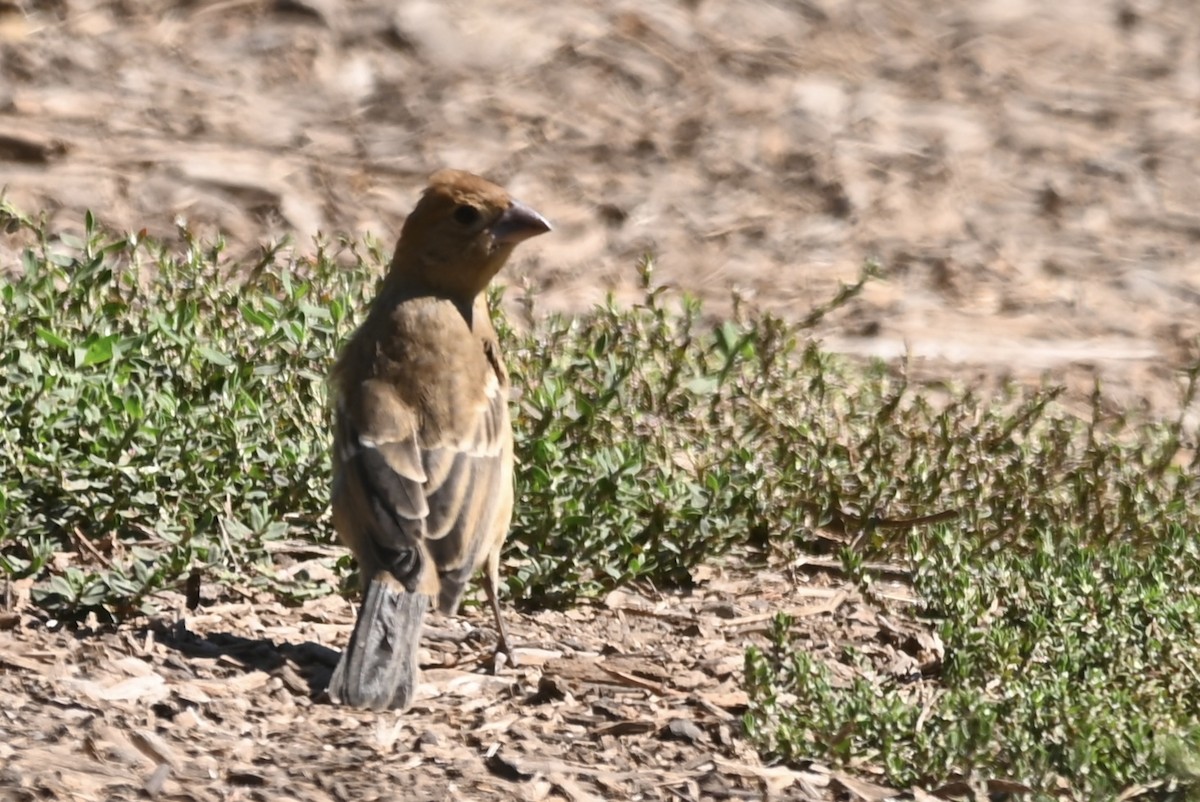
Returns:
(160, 415)
(1065, 597)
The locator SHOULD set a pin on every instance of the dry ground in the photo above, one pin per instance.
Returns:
(634, 698)
(637, 698)
(1026, 172)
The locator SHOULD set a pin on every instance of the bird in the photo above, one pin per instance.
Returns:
(422, 439)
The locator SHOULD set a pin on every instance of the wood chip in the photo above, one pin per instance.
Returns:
(25, 147)
(619, 728)
(861, 789)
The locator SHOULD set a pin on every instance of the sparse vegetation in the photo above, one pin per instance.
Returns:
(166, 410)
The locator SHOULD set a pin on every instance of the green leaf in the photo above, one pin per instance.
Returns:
(96, 352)
(213, 356)
(52, 339)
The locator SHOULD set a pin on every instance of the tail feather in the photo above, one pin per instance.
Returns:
(378, 669)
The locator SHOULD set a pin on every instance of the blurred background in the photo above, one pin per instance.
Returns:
(1025, 172)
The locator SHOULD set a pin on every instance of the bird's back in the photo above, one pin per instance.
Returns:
(428, 358)
(422, 371)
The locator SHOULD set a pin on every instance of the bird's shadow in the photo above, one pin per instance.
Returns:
(303, 667)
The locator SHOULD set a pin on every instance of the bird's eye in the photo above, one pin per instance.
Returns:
(466, 214)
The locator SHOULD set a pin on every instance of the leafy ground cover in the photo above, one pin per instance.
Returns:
(165, 418)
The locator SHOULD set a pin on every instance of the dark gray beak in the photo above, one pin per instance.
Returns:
(517, 224)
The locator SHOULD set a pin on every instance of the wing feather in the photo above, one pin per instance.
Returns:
(472, 528)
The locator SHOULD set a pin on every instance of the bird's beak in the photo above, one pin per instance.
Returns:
(517, 224)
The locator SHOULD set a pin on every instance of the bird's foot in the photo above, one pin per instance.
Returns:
(501, 657)
(498, 660)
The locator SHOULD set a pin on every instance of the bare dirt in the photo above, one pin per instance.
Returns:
(1027, 174)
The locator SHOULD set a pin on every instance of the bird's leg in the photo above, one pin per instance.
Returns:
(502, 644)
(491, 586)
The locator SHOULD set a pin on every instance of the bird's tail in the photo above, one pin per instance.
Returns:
(378, 669)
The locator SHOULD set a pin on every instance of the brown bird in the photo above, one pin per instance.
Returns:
(423, 450)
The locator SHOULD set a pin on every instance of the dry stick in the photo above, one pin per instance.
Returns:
(637, 682)
(86, 545)
(752, 624)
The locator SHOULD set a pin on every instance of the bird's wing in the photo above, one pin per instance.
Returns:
(431, 499)
(466, 490)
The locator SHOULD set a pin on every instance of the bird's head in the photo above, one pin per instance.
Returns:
(460, 234)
